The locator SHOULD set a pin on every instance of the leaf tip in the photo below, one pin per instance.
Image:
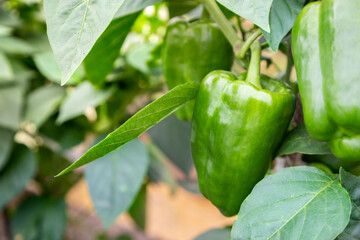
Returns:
(66, 170)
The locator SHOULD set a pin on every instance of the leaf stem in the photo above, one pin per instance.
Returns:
(253, 75)
(248, 43)
(224, 24)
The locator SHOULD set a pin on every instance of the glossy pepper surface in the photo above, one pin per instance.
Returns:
(192, 50)
(237, 127)
(326, 49)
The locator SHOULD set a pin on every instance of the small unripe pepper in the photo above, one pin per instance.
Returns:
(192, 50)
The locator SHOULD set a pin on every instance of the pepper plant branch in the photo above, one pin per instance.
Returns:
(224, 24)
(248, 43)
(238, 21)
(253, 75)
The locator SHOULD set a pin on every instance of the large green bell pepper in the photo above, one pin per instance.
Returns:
(326, 49)
(192, 50)
(236, 129)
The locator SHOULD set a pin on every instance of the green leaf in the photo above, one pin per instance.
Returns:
(49, 164)
(73, 26)
(13, 45)
(215, 234)
(39, 218)
(257, 11)
(139, 123)
(8, 19)
(11, 102)
(295, 203)
(352, 185)
(331, 161)
(115, 180)
(6, 142)
(68, 135)
(282, 17)
(49, 68)
(42, 103)
(99, 62)
(172, 136)
(15, 175)
(6, 73)
(83, 97)
(159, 170)
(351, 232)
(139, 57)
(137, 210)
(131, 6)
(299, 140)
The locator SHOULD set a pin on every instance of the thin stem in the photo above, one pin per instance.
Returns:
(238, 21)
(248, 43)
(253, 75)
(265, 44)
(223, 23)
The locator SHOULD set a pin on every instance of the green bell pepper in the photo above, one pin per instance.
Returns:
(237, 127)
(192, 50)
(326, 49)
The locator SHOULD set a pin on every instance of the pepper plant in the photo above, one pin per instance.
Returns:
(254, 156)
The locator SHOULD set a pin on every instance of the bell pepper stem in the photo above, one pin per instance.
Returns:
(224, 24)
(248, 43)
(253, 75)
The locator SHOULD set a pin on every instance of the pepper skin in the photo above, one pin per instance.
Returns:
(237, 127)
(192, 50)
(326, 53)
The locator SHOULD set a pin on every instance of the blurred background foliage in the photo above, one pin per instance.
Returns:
(44, 127)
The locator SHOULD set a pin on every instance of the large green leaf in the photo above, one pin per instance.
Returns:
(42, 103)
(6, 142)
(115, 180)
(6, 73)
(257, 11)
(172, 136)
(295, 203)
(47, 65)
(137, 209)
(15, 175)
(13, 45)
(83, 97)
(159, 170)
(11, 101)
(352, 185)
(49, 164)
(299, 140)
(131, 6)
(139, 123)
(73, 26)
(99, 62)
(282, 17)
(215, 234)
(39, 218)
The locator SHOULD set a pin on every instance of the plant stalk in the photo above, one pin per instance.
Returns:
(248, 43)
(224, 24)
(253, 75)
